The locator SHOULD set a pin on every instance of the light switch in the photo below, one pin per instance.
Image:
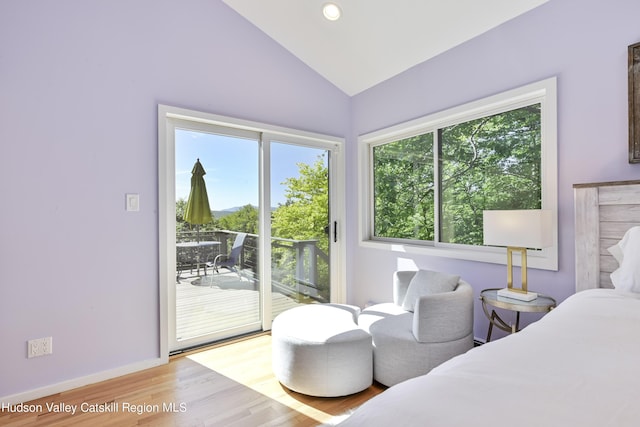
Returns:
(133, 202)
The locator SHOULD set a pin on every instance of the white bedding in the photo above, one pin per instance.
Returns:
(577, 366)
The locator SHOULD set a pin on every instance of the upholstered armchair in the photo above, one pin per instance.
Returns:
(429, 321)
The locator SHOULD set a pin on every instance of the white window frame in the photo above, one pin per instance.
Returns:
(543, 92)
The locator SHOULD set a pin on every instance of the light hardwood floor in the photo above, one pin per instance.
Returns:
(226, 385)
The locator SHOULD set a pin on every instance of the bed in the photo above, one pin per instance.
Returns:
(577, 366)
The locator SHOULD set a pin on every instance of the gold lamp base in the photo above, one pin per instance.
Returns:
(510, 291)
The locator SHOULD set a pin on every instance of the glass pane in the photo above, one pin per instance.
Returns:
(299, 226)
(404, 188)
(217, 286)
(488, 163)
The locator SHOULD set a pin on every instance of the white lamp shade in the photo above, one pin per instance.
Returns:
(518, 228)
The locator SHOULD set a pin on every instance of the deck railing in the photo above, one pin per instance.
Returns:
(300, 268)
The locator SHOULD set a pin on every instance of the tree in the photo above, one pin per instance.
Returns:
(243, 220)
(305, 213)
(488, 163)
(303, 216)
(181, 224)
(493, 162)
(404, 188)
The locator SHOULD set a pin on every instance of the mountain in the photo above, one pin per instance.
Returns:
(229, 211)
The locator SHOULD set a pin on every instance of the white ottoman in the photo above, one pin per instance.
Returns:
(319, 350)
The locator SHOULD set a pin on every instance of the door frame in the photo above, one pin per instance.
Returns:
(167, 117)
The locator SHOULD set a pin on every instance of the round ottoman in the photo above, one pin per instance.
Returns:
(319, 350)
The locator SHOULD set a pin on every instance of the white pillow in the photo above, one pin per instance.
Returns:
(616, 251)
(426, 282)
(627, 276)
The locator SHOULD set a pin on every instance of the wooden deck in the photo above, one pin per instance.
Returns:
(218, 302)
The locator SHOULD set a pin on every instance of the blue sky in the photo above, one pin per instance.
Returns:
(232, 167)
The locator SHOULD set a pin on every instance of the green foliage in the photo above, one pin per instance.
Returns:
(404, 188)
(244, 220)
(303, 216)
(181, 224)
(489, 163)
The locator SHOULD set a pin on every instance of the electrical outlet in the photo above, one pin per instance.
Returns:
(33, 348)
(39, 347)
(47, 345)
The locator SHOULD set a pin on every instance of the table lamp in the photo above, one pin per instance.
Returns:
(517, 230)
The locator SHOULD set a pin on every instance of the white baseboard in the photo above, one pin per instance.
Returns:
(81, 381)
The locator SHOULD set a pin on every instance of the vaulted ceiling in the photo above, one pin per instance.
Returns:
(374, 40)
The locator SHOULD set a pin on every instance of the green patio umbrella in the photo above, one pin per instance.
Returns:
(197, 210)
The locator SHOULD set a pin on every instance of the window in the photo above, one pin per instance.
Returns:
(404, 188)
(430, 179)
(488, 163)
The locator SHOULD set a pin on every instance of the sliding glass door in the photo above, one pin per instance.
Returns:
(217, 279)
(266, 242)
(300, 226)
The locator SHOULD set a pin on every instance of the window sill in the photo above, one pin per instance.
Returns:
(547, 259)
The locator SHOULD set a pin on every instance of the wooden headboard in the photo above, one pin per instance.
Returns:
(603, 213)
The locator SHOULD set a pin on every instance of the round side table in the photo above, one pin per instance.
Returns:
(490, 298)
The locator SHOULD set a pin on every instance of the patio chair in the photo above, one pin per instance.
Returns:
(230, 260)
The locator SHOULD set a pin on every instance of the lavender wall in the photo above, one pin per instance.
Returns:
(584, 44)
(79, 87)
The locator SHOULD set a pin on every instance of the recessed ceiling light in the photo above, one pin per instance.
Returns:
(331, 11)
